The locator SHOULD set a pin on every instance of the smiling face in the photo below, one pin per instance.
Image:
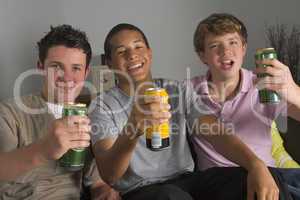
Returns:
(65, 69)
(223, 55)
(130, 54)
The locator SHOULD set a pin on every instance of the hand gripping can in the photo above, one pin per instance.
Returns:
(266, 96)
(73, 159)
(157, 136)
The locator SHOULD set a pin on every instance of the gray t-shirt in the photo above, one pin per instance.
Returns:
(109, 113)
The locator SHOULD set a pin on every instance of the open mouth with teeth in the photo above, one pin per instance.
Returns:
(227, 64)
(136, 66)
(65, 86)
(135, 69)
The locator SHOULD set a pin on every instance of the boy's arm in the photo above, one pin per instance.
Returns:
(93, 183)
(17, 161)
(20, 161)
(294, 109)
(281, 81)
(14, 162)
(260, 181)
(113, 156)
(102, 191)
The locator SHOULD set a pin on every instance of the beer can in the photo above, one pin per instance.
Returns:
(157, 136)
(73, 159)
(266, 96)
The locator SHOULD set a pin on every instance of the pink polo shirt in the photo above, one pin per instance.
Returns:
(250, 119)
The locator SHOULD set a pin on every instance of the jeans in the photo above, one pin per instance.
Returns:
(212, 184)
(291, 178)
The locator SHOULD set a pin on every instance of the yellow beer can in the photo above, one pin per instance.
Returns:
(157, 136)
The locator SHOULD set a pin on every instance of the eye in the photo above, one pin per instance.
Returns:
(76, 69)
(139, 47)
(233, 42)
(120, 51)
(55, 66)
(212, 46)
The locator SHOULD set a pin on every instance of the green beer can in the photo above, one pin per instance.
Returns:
(74, 159)
(266, 96)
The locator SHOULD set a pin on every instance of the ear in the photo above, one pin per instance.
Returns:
(108, 62)
(244, 49)
(87, 71)
(150, 53)
(202, 57)
(39, 65)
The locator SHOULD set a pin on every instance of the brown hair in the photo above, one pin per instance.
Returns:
(67, 36)
(218, 24)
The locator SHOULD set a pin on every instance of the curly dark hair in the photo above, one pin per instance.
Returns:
(116, 29)
(67, 36)
(218, 24)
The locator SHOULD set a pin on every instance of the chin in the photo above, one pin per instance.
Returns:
(65, 97)
(139, 78)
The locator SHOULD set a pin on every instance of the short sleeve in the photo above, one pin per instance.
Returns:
(102, 121)
(8, 129)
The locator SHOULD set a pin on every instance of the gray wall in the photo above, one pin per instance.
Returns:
(169, 25)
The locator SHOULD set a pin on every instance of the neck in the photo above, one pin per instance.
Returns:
(140, 86)
(222, 90)
(48, 97)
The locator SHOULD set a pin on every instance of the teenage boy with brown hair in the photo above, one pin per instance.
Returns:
(229, 93)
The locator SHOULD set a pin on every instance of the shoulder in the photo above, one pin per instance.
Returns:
(22, 104)
(18, 111)
(108, 97)
(198, 79)
(108, 102)
(248, 76)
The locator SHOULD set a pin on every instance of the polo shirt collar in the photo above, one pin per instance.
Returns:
(245, 84)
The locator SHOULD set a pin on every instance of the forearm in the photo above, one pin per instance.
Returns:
(101, 191)
(113, 163)
(294, 104)
(235, 150)
(17, 162)
(222, 138)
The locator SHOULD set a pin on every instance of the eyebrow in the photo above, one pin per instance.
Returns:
(77, 65)
(234, 38)
(56, 63)
(61, 64)
(135, 41)
(229, 39)
(139, 40)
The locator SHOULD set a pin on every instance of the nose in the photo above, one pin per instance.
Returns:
(131, 54)
(67, 75)
(225, 50)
